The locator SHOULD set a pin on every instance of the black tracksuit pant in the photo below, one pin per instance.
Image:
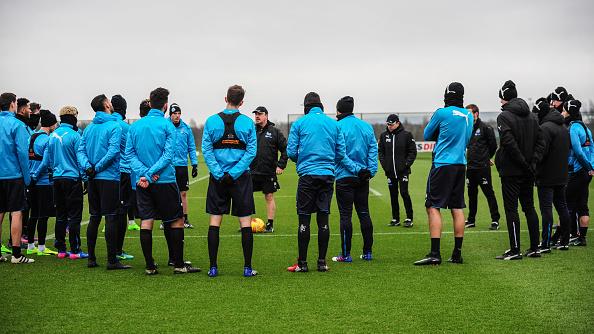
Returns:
(393, 184)
(547, 197)
(476, 178)
(520, 188)
(68, 198)
(349, 192)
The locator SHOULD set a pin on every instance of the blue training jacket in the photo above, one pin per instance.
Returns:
(150, 148)
(14, 147)
(60, 155)
(40, 148)
(100, 147)
(316, 144)
(451, 129)
(229, 160)
(580, 156)
(360, 146)
(184, 145)
(124, 164)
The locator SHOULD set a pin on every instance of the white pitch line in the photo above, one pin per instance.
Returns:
(200, 178)
(52, 236)
(375, 192)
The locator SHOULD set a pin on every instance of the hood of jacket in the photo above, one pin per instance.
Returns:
(103, 117)
(553, 116)
(517, 106)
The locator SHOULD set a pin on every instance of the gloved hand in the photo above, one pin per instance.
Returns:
(85, 187)
(91, 172)
(32, 182)
(194, 171)
(227, 179)
(364, 175)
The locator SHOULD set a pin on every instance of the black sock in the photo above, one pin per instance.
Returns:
(185, 217)
(16, 251)
(303, 236)
(111, 237)
(177, 238)
(270, 223)
(167, 232)
(41, 230)
(146, 242)
(247, 243)
(31, 230)
(92, 230)
(435, 245)
(122, 227)
(583, 231)
(458, 244)
(323, 234)
(213, 244)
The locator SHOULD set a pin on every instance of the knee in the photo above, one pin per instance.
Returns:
(269, 198)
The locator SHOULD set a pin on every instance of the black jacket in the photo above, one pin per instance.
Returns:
(270, 142)
(553, 168)
(520, 143)
(397, 151)
(482, 145)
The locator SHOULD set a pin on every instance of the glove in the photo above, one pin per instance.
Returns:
(194, 171)
(227, 179)
(33, 182)
(364, 175)
(85, 187)
(90, 172)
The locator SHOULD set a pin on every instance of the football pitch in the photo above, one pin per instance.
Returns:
(552, 294)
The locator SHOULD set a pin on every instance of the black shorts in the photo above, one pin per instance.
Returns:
(104, 197)
(219, 197)
(42, 201)
(181, 178)
(68, 198)
(577, 193)
(267, 184)
(445, 187)
(12, 195)
(159, 201)
(127, 198)
(314, 194)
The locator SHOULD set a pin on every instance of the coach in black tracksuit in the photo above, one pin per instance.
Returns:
(481, 148)
(397, 152)
(516, 160)
(551, 174)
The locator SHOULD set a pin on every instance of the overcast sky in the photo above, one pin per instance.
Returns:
(391, 56)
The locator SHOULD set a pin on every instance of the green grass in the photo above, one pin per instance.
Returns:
(552, 294)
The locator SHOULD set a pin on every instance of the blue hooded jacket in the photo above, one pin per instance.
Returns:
(40, 148)
(316, 144)
(580, 156)
(360, 146)
(14, 145)
(100, 147)
(229, 160)
(451, 129)
(184, 145)
(60, 155)
(149, 148)
(124, 165)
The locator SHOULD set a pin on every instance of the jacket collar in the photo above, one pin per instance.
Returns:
(155, 112)
(315, 110)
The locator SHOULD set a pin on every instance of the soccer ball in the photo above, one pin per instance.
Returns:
(258, 225)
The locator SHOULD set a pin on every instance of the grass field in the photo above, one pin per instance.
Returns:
(552, 294)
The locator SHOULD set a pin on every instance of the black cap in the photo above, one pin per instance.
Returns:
(47, 118)
(174, 107)
(508, 91)
(393, 118)
(454, 90)
(541, 105)
(345, 105)
(560, 94)
(572, 107)
(260, 109)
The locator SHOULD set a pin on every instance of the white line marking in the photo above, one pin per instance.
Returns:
(200, 178)
(374, 192)
(52, 236)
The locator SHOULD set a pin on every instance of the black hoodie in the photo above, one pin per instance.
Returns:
(482, 145)
(520, 147)
(397, 152)
(553, 168)
(270, 142)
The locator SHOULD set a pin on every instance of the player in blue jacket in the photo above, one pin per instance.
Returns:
(581, 169)
(99, 156)
(60, 158)
(14, 172)
(316, 145)
(41, 193)
(352, 179)
(184, 146)
(450, 127)
(150, 150)
(229, 145)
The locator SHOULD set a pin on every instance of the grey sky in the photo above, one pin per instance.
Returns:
(391, 56)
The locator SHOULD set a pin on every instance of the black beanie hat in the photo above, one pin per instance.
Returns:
(560, 94)
(47, 118)
(312, 100)
(454, 95)
(345, 105)
(174, 107)
(541, 105)
(392, 118)
(119, 105)
(508, 91)
(572, 107)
